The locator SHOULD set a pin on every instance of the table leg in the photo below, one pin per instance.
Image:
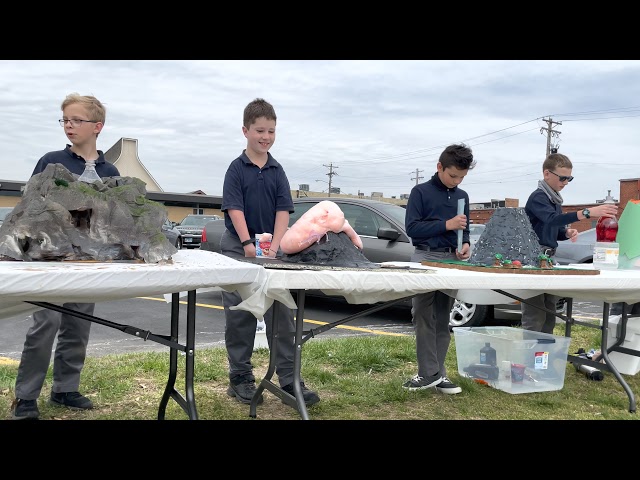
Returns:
(605, 353)
(189, 405)
(296, 401)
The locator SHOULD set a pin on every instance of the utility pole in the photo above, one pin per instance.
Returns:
(331, 174)
(550, 133)
(418, 177)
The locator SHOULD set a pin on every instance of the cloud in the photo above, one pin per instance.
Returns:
(378, 125)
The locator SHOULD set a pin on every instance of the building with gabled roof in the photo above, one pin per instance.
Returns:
(124, 155)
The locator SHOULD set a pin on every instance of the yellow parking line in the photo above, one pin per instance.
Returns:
(359, 329)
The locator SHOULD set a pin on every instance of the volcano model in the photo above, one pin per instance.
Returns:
(510, 234)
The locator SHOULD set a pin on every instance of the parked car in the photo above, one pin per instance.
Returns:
(381, 227)
(475, 230)
(580, 251)
(172, 233)
(4, 211)
(191, 229)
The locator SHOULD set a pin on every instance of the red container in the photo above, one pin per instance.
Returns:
(606, 229)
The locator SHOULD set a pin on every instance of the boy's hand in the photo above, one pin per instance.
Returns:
(459, 222)
(250, 250)
(572, 234)
(604, 210)
(464, 253)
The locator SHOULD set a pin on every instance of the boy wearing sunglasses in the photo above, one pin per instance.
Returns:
(544, 209)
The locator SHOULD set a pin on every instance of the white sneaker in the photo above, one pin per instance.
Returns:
(447, 387)
(420, 383)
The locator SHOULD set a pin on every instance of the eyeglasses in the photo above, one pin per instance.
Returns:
(75, 122)
(562, 178)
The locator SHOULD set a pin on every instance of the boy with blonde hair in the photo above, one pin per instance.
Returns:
(83, 118)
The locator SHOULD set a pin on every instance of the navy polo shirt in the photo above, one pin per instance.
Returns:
(429, 207)
(75, 163)
(258, 192)
(547, 219)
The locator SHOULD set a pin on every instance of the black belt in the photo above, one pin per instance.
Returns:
(548, 251)
(427, 248)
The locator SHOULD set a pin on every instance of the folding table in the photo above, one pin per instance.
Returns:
(30, 286)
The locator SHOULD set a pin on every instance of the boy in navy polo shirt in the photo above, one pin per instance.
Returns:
(433, 222)
(83, 118)
(256, 198)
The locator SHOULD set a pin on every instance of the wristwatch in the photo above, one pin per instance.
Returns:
(247, 242)
(586, 213)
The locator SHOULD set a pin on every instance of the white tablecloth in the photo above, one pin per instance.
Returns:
(60, 282)
(361, 286)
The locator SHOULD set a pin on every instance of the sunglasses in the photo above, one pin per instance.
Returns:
(562, 178)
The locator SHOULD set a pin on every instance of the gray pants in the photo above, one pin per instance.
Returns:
(632, 309)
(430, 315)
(68, 360)
(538, 320)
(240, 329)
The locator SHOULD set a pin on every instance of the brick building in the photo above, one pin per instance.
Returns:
(629, 190)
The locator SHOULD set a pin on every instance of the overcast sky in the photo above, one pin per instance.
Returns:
(379, 124)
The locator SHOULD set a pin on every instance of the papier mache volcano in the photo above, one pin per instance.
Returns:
(59, 218)
(334, 249)
(323, 236)
(510, 234)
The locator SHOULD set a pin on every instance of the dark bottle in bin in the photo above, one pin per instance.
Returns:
(488, 355)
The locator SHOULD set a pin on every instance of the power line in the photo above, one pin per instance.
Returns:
(330, 174)
(417, 178)
(550, 133)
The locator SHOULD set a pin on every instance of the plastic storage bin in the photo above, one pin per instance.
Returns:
(626, 364)
(543, 355)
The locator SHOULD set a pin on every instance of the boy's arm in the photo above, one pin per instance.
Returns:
(240, 224)
(280, 228)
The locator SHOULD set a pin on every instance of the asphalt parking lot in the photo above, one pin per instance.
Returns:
(153, 314)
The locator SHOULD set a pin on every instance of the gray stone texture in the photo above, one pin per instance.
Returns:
(59, 218)
(509, 233)
(335, 249)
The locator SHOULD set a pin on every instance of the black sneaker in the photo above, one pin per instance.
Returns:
(420, 383)
(310, 397)
(71, 400)
(244, 391)
(446, 386)
(24, 409)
